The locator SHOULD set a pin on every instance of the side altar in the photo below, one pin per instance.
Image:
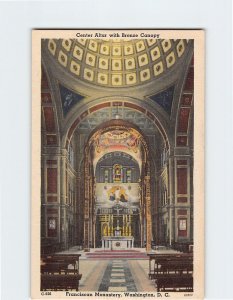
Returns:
(117, 242)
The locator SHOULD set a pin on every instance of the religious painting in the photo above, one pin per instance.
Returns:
(117, 164)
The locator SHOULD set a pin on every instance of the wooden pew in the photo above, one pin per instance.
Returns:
(176, 266)
(56, 274)
(155, 261)
(72, 259)
(60, 281)
(50, 248)
(171, 271)
(54, 268)
(169, 282)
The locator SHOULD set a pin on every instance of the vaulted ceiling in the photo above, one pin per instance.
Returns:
(93, 81)
(107, 114)
(117, 63)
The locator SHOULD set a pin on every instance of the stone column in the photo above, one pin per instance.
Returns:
(130, 233)
(77, 225)
(86, 207)
(90, 209)
(141, 213)
(94, 231)
(63, 196)
(112, 233)
(171, 200)
(109, 225)
(148, 213)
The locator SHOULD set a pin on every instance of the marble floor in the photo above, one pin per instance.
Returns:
(117, 275)
(125, 271)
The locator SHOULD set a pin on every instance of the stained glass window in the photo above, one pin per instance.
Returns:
(106, 179)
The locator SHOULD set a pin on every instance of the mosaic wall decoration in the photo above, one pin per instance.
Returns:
(164, 99)
(68, 99)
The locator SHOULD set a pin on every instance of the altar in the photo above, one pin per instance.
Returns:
(117, 242)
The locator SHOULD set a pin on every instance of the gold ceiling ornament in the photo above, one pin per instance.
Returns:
(117, 62)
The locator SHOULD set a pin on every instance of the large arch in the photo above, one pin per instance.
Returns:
(89, 219)
(128, 103)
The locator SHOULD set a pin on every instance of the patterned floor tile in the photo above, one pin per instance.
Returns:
(117, 289)
(117, 277)
(117, 280)
(117, 274)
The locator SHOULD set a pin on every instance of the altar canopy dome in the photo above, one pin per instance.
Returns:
(117, 62)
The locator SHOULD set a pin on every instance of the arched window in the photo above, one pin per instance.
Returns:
(117, 173)
(129, 175)
(106, 177)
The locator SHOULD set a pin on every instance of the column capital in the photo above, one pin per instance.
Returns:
(64, 151)
(147, 177)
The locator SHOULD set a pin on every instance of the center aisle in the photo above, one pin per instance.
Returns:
(117, 277)
(114, 270)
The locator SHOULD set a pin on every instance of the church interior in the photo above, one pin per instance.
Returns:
(117, 164)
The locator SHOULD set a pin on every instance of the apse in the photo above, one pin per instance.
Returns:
(117, 181)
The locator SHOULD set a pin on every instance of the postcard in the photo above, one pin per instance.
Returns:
(117, 164)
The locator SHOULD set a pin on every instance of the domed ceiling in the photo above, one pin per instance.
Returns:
(117, 63)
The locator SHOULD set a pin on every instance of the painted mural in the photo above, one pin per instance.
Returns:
(110, 194)
(127, 141)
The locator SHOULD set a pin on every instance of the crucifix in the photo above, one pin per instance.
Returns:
(118, 211)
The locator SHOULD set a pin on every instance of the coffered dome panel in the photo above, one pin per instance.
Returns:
(117, 63)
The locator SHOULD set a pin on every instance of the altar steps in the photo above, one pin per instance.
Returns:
(118, 251)
(116, 254)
